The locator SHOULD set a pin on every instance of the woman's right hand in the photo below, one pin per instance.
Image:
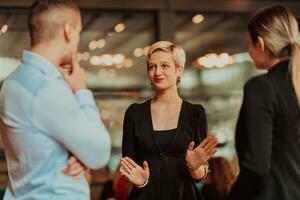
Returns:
(133, 172)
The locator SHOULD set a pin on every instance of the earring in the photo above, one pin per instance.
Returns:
(178, 79)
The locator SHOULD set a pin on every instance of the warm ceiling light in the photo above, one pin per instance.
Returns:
(101, 43)
(85, 56)
(214, 60)
(93, 45)
(4, 28)
(107, 59)
(128, 63)
(79, 56)
(138, 52)
(120, 27)
(119, 58)
(198, 19)
(96, 60)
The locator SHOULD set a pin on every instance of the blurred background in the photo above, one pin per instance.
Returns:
(115, 39)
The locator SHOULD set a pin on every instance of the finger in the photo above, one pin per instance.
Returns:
(76, 166)
(75, 65)
(65, 169)
(78, 176)
(131, 166)
(124, 172)
(212, 153)
(205, 141)
(126, 167)
(72, 160)
(129, 160)
(191, 145)
(211, 144)
(63, 72)
(74, 169)
(75, 172)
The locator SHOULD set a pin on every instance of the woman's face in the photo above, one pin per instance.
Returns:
(258, 56)
(162, 70)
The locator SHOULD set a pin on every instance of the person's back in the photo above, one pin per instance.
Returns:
(267, 132)
(45, 117)
(276, 174)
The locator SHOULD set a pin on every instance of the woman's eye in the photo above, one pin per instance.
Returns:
(150, 67)
(165, 65)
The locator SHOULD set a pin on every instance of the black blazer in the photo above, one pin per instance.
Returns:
(268, 140)
(169, 175)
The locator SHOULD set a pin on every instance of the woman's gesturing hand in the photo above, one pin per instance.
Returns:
(195, 157)
(133, 172)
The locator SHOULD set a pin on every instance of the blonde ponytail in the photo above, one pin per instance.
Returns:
(294, 68)
(278, 26)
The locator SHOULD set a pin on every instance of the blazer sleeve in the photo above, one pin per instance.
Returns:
(199, 123)
(128, 141)
(203, 123)
(257, 125)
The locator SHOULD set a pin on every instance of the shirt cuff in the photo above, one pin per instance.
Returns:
(85, 98)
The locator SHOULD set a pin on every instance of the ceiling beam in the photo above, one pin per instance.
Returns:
(230, 6)
(97, 4)
(214, 6)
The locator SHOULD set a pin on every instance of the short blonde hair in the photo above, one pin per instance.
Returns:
(177, 52)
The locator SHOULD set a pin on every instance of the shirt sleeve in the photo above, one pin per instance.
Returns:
(74, 121)
(128, 141)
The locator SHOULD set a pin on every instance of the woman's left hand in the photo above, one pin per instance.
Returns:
(75, 168)
(195, 157)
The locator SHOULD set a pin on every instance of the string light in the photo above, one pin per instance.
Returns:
(138, 52)
(120, 27)
(214, 60)
(198, 19)
(4, 28)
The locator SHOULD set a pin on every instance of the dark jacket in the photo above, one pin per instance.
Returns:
(268, 140)
(169, 175)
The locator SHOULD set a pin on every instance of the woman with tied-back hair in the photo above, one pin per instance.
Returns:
(165, 143)
(267, 134)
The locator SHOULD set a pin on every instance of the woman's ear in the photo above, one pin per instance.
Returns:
(179, 71)
(261, 44)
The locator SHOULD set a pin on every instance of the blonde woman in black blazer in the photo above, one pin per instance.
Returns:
(267, 134)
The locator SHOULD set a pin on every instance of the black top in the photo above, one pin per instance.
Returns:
(169, 175)
(268, 140)
(210, 192)
(107, 191)
(164, 138)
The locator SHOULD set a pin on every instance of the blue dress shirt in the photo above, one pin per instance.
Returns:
(42, 123)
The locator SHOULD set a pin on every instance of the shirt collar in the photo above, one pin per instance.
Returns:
(44, 65)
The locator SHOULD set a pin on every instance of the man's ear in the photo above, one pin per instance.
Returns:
(261, 44)
(67, 31)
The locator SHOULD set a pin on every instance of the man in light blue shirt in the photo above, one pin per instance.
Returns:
(47, 114)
